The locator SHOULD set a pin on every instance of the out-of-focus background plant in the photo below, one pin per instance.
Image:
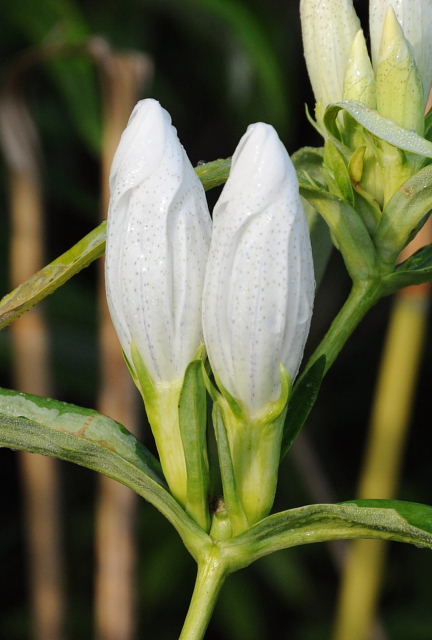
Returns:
(70, 73)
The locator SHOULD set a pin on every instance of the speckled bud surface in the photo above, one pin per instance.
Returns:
(259, 285)
(157, 244)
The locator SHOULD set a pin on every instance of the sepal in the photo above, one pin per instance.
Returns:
(249, 455)
(193, 422)
(336, 172)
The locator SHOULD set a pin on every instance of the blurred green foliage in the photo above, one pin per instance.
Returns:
(219, 65)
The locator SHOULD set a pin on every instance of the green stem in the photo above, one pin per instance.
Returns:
(362, 297)
(211, 575)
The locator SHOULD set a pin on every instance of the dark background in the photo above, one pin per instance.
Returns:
(219, 65)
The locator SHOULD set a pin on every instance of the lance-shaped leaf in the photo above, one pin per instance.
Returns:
(381, 519)
(403, 215)
(303, 398)
(92, 440)
(379, 126)
(81, 255)
(53, 276)
(348, 230)
(416, 270)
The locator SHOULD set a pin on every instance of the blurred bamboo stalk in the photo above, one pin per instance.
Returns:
(123, 77)
(39, 475)
(390, 418)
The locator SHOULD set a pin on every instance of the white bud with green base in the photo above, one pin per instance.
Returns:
(157, 245)
(257, 306)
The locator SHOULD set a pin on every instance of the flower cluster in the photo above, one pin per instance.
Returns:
(242, 292)
(371, 112)
(398, 79)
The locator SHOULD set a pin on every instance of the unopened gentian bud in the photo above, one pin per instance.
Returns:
(157, 244)
(359, 82)
(328, 28)
(415, 18)
(257, 306)
(398, 84)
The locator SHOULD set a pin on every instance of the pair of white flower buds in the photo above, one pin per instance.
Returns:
(245, 282)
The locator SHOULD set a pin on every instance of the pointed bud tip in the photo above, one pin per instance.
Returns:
(261, 159)
(141, 144)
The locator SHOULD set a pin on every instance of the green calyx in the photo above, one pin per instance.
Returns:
(249, 449)
(374, 190)
(177, 414)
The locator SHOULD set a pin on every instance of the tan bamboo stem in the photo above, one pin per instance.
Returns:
(390, 418)
(31, 372)
(122, 76)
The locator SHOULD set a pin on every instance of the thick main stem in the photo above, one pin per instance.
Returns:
(211, 575)
(362, 297)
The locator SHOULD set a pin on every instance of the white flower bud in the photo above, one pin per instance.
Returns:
(157, 243)
(415, 18)
(328, 28)
(259, 286)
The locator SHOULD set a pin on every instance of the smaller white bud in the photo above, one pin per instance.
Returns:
(257, 307)
(259, 285)
(359, 82)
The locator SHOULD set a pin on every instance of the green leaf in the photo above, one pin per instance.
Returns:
(302, 400)
(193, 422)
(308, 162)
(90, 439)
(416, 514)
(348, 230)
(404, 213)
(381, 519)
(88, 249)
(379, 126)
(51, 277)
(416, 270)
